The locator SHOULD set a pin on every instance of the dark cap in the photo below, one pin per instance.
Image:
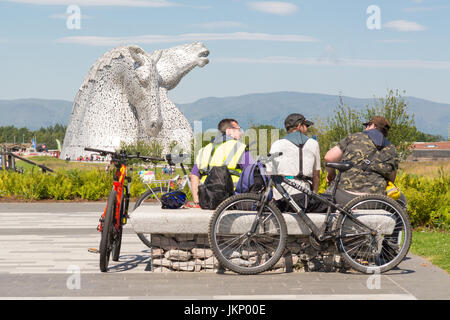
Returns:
(381, 123)
(294, 119)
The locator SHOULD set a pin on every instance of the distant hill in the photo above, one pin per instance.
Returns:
(34, 113)
(258, 108)
(272, 108)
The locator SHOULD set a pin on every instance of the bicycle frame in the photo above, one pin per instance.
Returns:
(321, 234)
(170, 182)
(118, 185)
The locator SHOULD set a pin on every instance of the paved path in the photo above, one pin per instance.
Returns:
(44, 254)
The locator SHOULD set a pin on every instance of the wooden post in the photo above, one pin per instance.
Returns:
(3, 154)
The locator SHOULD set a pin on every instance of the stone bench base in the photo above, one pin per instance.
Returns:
(180, 240)
(191, 252)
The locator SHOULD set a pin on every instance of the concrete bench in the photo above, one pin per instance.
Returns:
(151, 219)
(180, 237)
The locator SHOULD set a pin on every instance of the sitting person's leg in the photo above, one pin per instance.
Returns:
(306, 203)
(342, 197)
(283, 205)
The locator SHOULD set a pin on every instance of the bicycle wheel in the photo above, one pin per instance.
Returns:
(118, 240)
(149, 197)
(382, 249)
(107, 234)
(233, 244)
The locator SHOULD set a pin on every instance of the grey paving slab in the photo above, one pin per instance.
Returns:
(36, 264)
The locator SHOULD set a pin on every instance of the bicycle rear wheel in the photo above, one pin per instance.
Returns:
(107, 234)
(149, 197)
(382, 249)
(233, 244)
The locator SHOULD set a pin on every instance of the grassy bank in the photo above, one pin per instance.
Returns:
(58, 164)
(430, 169)
(433, 246)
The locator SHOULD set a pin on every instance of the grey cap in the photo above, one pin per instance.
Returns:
(294, 119)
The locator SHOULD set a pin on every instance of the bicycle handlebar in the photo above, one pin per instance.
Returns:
(123, 155)
(172, 159)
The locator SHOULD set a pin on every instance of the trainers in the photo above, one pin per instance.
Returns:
(192, 204)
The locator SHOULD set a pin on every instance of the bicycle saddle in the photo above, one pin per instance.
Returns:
(341, 166)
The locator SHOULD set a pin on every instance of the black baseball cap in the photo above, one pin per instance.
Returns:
(294, 119)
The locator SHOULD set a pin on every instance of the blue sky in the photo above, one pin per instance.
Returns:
(320, 46)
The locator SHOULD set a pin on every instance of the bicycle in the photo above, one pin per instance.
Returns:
(115, 215)
(248, 233)
(170, 185)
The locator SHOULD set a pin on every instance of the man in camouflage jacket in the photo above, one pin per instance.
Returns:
(357, 148)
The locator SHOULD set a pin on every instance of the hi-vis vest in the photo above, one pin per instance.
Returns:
(227, 153)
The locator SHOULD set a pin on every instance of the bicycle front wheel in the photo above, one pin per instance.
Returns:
(384, 245)
(147, 198)
(118, 241)
(235, 246)
(107, 234)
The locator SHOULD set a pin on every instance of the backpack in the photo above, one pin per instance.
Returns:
(217, 187)
(252, 179)
(173, 200)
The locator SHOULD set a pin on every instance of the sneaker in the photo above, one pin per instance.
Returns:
(191, 204)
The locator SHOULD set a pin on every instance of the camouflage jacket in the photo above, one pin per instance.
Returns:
(357, 148)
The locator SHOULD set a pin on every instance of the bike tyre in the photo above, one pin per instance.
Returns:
(107, 234)
(227, 262)
(118, 241)
(145, 238)
(403, 226)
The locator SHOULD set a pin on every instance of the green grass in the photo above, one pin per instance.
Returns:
(434, 246)
(55, 164)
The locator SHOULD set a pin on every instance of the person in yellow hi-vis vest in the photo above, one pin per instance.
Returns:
(224, 149)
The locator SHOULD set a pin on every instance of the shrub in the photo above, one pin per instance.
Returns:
(95, 184)
(428, 199)
(32, 186)
(60, 186)
(137, 187)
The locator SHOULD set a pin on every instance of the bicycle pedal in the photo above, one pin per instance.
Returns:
(93, 250)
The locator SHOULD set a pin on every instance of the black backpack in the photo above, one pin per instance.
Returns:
(217, 187)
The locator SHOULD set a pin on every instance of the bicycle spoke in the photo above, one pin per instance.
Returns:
(254, 252)
(232, 241)
(386, 245)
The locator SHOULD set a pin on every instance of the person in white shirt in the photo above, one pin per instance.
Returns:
(288, 164)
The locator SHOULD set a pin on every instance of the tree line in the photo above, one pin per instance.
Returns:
(328, 131)
(47, 136)
(346, 120)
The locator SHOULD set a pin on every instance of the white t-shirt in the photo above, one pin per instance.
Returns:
(288, 163)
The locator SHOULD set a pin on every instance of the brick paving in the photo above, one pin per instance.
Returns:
(44, 254)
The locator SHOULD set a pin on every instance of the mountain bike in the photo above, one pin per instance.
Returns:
(247, 232)
(115, 215)
(154, 193)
